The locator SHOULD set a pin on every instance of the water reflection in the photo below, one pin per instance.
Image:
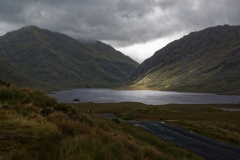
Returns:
(142, 96)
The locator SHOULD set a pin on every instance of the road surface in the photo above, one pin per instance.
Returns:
(204, 147)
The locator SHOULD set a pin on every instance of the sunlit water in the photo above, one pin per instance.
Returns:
(142, 96)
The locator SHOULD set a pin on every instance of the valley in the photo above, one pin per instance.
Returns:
(37, 61)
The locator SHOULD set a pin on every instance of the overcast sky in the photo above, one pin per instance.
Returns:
(136, 27)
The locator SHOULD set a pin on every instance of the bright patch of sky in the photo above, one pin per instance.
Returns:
(140, 52)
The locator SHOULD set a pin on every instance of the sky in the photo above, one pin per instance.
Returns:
(137, 28)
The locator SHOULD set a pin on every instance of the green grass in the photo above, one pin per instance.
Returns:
(67, 133)
(208, 120)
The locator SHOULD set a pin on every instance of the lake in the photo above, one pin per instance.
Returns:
(142, 96)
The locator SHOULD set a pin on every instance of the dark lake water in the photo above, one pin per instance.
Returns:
(142, 96)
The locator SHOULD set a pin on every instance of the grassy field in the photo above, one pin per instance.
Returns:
(34, 126)
(209, 120)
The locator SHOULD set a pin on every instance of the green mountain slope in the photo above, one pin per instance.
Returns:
(204, 61)
(12, 75)
(63, 62)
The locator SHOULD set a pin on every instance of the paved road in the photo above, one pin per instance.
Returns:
(195, 143)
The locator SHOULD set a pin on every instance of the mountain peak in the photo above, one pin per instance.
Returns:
(30, 27)
(62, 61)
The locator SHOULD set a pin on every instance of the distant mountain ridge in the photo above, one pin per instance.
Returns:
(204, 61)
(60, 61)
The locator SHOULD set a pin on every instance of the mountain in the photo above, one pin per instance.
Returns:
(63, 62)
(204, 61)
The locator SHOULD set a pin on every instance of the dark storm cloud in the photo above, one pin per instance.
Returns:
(122, 22)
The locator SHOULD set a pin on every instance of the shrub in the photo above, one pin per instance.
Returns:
(117, 121)
(42, 100)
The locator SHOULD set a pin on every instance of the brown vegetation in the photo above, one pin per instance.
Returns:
(65, 133)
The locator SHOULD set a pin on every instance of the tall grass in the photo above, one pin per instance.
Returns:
(13, 95)
(67, 134)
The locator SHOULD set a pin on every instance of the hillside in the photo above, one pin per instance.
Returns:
(12, 75)
(63, 62)
(204, 61)
(35, 126)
